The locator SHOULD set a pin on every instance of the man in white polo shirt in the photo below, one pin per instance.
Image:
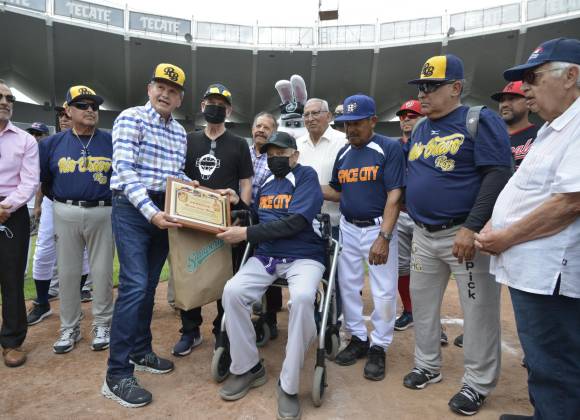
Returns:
(319, 147)
(534, 233)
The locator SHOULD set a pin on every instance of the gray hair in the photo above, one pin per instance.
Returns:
(267, 115)
(562, 66)
(3, 82)
(322, 102)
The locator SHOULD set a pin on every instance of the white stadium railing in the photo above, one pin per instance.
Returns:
(106, 16)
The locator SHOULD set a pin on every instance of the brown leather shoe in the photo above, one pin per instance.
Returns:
(14, 357)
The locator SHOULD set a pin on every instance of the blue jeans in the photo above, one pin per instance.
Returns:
(549, 331)
(142, 249)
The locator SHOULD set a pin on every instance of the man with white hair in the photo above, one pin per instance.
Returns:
(534, 232)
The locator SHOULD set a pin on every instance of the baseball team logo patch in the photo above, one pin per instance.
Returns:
(171, 74)
(427, 70)
(350, 108)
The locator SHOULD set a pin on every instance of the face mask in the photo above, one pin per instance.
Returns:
(279, 166)
(214, 114)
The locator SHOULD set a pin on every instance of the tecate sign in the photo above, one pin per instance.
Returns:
(91, 12)
(159, 24)
(36, 5)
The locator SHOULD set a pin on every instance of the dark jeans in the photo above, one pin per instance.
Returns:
(142, 249)
(13, 258)
(549, 331)
(192, 319)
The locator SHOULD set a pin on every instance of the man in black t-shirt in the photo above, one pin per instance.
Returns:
(218, 159)
(515, 113)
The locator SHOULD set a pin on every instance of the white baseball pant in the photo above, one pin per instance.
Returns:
(248, 286)
(44, 261)
(356, 244)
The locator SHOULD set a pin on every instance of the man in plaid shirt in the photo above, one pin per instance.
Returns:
(148, 146)
(262, 128)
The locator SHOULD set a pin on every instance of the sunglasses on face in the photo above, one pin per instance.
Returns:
(9, 98)
(409, 115)
(430, 87)
(530, 77)
(83, 106)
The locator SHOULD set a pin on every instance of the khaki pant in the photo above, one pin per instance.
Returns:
(76, 227)
(432, 262)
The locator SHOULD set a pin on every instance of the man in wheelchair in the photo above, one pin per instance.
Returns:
(287, 246)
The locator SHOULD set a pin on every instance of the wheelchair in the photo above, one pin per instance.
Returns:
(325, 314)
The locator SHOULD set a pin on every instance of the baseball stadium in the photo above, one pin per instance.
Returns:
(332, 163)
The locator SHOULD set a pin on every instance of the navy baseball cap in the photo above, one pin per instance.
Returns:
(440, 68)
(280, 139)
(357, 107)
(219, 90)
(559, 49)
(38, 127)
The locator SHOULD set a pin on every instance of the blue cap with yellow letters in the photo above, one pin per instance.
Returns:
(357, 107)
(169, 73)
(440, 68)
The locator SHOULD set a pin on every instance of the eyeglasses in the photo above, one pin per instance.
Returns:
(530, 77)
(409, 115)
(9, 98)
(83, 106)
(430, 87)
(313, 114)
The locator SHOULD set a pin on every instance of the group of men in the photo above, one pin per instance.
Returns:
(438, 202)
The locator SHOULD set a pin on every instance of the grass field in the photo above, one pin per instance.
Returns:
(30, 290)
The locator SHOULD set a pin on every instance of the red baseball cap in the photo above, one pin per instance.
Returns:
(512, 88)
(410, 106)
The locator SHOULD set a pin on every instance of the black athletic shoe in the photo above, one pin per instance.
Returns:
(375, 366)
(404, 321)
(444, 339)
(458, 341)
(419, 378)
(152, 363)
(38, 313)
(356, 349)
(126, 391)
(467, 401)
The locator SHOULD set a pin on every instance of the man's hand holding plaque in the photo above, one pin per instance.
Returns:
(192, 206)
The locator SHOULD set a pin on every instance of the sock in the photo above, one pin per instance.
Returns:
(256, 368)
(42, 288)
(83, 280)
(405, 293)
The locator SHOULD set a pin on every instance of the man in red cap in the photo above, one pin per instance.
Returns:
(515, 113)
(409, 114)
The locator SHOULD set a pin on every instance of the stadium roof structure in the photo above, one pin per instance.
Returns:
(49, 45)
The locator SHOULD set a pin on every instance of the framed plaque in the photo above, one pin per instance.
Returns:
(197, 207)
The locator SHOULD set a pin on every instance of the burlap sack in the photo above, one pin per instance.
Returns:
(201, 265)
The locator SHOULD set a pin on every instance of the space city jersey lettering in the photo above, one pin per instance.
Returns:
(297, 193)
(365, 175)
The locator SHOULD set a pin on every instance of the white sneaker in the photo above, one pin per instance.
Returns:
(102, 336)
(68, 338)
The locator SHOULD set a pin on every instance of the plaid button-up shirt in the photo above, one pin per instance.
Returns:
(146, 150)
(261, 170)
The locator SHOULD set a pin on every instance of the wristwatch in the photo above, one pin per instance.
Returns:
(386, 236)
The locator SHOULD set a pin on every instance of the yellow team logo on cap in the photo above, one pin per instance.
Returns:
(217, 91)
(434, 68)
(76, 91)
(171, 73)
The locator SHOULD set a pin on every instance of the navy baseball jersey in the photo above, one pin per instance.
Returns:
(298, 193)
(76, 168)
(443, 178)
(364, 176)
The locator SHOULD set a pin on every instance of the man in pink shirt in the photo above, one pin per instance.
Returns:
(19, 174)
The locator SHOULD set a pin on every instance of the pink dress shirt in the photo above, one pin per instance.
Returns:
(19, 168)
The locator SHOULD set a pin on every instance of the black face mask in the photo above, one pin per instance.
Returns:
(214, 114)
(279, 166)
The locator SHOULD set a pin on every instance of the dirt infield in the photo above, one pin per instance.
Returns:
(51, 386)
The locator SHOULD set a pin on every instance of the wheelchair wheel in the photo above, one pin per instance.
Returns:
(220, 364)
(331, 345)
(262, 332)
(318, 385)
